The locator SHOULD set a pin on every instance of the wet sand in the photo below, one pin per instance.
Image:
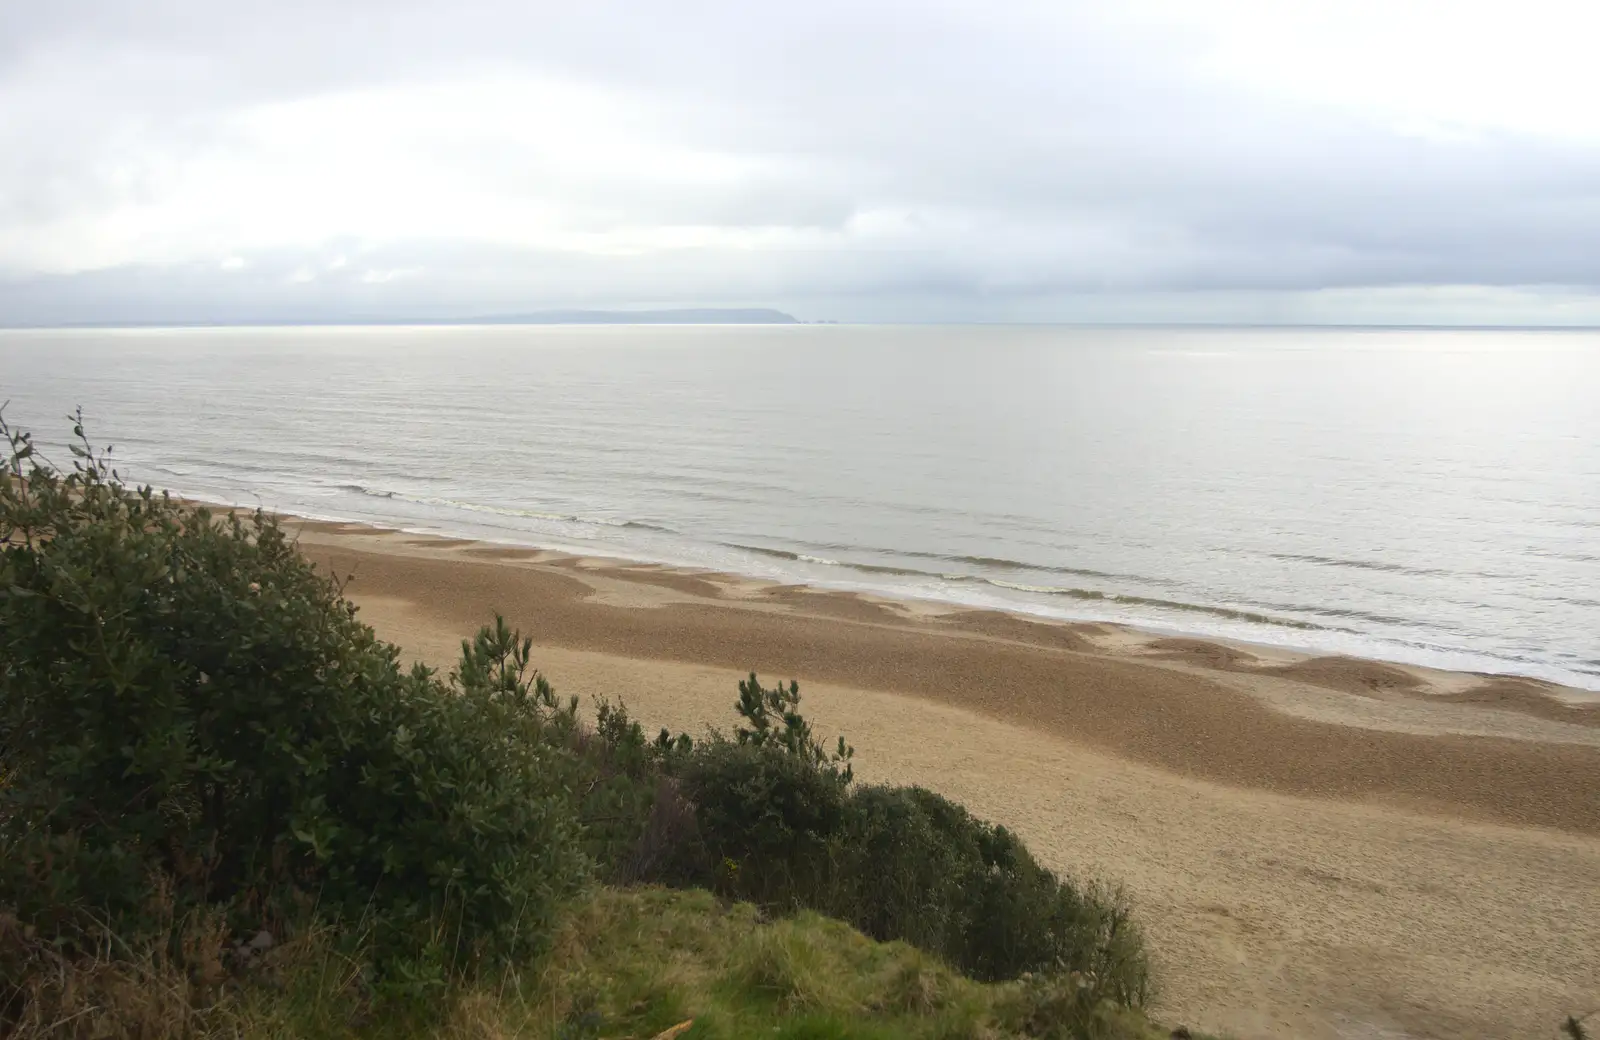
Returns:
(1319, 847)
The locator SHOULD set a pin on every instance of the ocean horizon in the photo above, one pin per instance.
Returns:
(1420, 495)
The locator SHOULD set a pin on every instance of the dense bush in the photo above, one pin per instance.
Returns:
(919, 867)
(186, 704)
(637, 825)
(768, 821)
(776, 820)
(193, 721)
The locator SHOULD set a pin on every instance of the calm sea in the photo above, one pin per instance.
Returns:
(1421, 496)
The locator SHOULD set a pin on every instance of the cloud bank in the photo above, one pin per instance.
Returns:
(1220, 160)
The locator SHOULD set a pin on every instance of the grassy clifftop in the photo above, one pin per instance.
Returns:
(640, 963)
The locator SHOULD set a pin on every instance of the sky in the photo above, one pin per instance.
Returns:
(1328, 161)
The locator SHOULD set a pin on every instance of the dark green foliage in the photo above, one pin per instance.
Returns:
(768, 820)
(901, 863)
(636, 824)
(775, 821)
(1024, 918)
(185, 702)
(193, 719)
(910, 864)
(765, 709)
(907, 856)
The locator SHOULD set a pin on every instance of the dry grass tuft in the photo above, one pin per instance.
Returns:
(150, 993)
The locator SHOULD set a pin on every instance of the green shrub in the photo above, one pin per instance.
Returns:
(750, 816)
(776, 821)
(767, 820)
(193, 719)
(1023, 918)
(910, 864)
(767, 804)
(185, 702)
(905, 862)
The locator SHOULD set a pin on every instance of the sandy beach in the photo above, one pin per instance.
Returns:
(1317, 847)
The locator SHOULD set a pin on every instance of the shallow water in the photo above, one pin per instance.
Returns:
(1421, 496)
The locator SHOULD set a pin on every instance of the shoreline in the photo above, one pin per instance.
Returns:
(1328, 848)
(1392, 696)
(1519, 686)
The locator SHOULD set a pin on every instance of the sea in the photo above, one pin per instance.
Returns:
(1420, 496)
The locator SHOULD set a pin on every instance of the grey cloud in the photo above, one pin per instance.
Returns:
(1035, 156)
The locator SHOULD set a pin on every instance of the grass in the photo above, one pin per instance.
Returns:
(626, 963)
(637, 962)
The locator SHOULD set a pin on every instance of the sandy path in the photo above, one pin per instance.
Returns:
(1383, 875)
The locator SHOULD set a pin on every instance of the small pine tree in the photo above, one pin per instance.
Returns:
(774, 719)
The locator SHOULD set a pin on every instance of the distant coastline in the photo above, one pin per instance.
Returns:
(754, 316)
(669, 316)
(673, 316)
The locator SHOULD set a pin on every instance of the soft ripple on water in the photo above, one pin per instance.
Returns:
(1420, 496)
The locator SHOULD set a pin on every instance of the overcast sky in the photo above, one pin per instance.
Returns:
(1223, 160)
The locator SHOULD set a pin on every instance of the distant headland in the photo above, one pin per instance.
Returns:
(690, 316)
(675, 316)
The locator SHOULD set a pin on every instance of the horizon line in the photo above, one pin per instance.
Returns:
(531, 321)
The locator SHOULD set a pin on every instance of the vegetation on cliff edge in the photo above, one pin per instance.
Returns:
(226, 807)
